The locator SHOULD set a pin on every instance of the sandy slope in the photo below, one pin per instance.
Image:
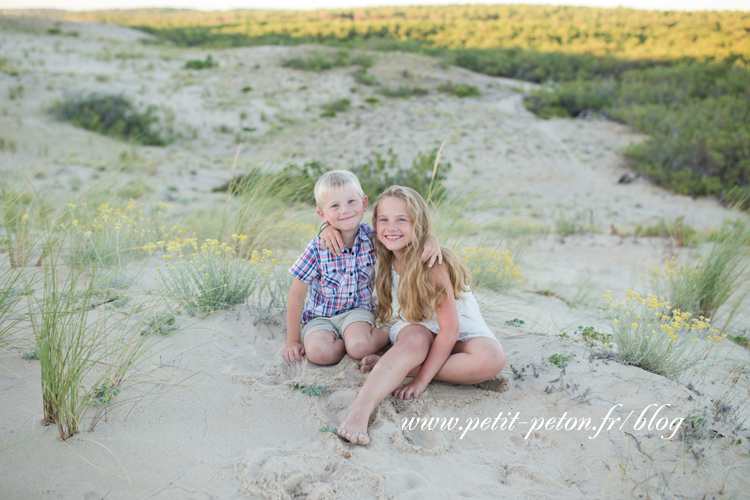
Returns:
(213, 414)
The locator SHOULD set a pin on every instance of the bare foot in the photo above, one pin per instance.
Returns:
(369, 362)
(354, 428)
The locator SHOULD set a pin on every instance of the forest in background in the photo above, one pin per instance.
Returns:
(682, 78)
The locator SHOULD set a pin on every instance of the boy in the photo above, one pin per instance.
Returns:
(337, 317)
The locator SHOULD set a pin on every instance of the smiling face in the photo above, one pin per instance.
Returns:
(343, 208)
(393, 226)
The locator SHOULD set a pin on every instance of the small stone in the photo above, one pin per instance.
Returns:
(347, 454)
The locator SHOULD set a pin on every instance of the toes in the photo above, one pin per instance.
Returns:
(361, 438)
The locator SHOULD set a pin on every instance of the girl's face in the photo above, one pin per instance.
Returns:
(393, 226)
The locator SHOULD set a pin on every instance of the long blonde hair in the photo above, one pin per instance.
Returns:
(419, 294)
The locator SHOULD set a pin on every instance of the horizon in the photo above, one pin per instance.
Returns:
(226, 5)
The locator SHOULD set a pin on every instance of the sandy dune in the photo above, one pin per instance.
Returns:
(213, 413)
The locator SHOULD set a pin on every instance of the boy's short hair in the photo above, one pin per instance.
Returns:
(333, 180)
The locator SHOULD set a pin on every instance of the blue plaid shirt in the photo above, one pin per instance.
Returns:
(337, 284)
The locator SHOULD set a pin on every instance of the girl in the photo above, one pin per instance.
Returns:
(429, 301)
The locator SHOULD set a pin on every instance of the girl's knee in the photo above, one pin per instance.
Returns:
(415, 340)
(490, 362)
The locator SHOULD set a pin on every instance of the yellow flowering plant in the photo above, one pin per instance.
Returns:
(109, 235)
(491, 268)
(210, 276)
(23, 212)
(651, 334)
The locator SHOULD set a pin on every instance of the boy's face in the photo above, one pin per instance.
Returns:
(343, 208)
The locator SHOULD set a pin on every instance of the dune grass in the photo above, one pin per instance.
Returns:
(81, 349)
(707, 280)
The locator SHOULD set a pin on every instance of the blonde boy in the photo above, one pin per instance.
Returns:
(337, 316)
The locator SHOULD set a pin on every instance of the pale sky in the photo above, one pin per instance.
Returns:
(743, 5)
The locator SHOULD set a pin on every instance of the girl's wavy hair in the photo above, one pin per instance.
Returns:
(419, 293)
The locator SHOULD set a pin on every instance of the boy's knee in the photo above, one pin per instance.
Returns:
(323, 356)
(323, 348)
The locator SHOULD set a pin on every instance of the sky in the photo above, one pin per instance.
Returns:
(743, 5)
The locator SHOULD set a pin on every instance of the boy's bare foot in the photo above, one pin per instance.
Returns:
(369, 362)
(353, 429)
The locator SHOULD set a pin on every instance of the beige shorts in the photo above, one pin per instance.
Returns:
(337, 324)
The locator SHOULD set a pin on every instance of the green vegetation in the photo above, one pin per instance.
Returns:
(162, 324)
(112, 115)
(403, 91)
(674, 106)
(650, 333)
(292, 183)
(338, 106)
(321, 61)
(362, 77)
(297, 183)
(493, 269)
(705, 283)
(378, 173)
(667, 73)
(459, 89)
(681, 233)
(561, 360)
(198, 64)
(312, 389)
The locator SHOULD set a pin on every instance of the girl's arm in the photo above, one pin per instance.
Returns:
(334, 243)
(447, 316)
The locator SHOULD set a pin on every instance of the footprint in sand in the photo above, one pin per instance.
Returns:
(293, 474)
(495, 384)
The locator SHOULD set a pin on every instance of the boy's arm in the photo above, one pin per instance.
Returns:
(431, 252)
(294, 349)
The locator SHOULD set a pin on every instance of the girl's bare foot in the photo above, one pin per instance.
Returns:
(369, 362)
(354, 428)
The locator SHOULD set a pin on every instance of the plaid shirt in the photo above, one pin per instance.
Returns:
(337, 284)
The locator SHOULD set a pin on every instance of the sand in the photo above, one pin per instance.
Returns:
(213, 411)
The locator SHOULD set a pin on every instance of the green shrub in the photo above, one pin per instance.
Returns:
(402, 92)
(362, 77)
(315, 63)
(111, 115)
(207, 63)
(338, 106)
(321, 61)
(459, 89)
(378, 173)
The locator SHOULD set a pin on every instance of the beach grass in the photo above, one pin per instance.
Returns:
(706, 280)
